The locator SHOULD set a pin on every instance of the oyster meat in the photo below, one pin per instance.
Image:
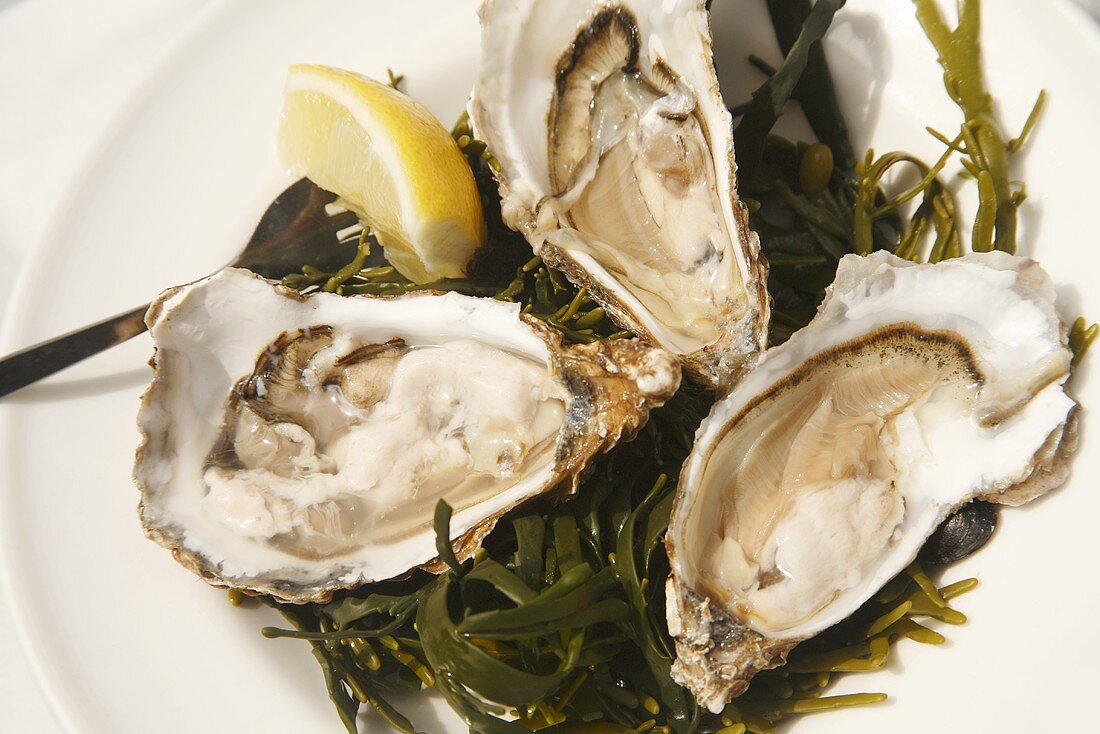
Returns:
(914, 390)
(616, 162)
(294, 445)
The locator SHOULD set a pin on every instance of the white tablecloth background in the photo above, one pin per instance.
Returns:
(65, 67)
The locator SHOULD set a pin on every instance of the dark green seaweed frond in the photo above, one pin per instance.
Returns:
(558, 622)
(770, 99)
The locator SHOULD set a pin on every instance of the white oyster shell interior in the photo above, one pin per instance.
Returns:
(915, 389)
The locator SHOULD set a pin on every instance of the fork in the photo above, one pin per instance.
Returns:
(296, 230)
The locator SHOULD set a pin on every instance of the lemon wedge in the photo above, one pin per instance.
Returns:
(391, 161)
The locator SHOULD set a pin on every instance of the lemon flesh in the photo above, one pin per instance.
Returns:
(391, 161)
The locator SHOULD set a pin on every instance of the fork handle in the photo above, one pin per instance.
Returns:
(34, 363)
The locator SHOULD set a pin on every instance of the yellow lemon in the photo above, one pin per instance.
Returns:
(391, 161)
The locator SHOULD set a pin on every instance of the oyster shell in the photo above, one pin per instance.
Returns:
(915, 389)
(616, 162)
(295, 445)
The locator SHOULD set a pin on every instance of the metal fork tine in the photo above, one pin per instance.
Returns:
(295, 230)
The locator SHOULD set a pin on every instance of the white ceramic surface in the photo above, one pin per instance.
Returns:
(124, 641)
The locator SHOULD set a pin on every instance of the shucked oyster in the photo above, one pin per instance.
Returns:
(616, 162)
(916, 389)
(297, 445)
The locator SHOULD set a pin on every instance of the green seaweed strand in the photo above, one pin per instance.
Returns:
(959, 52)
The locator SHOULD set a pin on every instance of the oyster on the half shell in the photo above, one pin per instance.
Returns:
(915, 389)
(616, 162)
(295, 445)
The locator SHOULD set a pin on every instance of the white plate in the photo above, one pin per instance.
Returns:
(125, 641)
